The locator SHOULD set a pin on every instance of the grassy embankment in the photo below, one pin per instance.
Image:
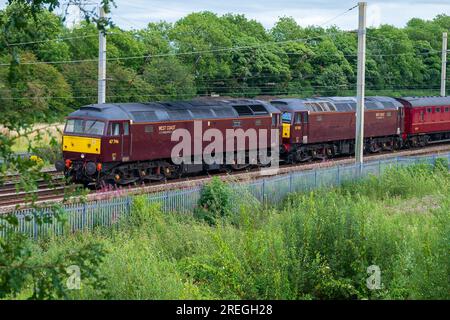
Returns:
(315, 245)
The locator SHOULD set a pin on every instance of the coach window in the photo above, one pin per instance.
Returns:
(446, 109)
(429, 110)
(114, 129)
(438, 109)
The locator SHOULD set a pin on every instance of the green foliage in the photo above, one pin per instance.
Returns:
(317, 246)
(215, 201)
(441, 165)
(22, 267)
(33, 91)
(190, 57)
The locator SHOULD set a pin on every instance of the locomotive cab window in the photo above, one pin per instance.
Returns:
(297, 118)
(114, 129)
(89, 127)
(286, 117)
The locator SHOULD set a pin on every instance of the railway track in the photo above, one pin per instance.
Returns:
(10, 199)
(12, 194)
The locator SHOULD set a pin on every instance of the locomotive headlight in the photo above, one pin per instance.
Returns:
(82, 156)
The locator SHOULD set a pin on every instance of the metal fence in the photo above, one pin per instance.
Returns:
(269, 190)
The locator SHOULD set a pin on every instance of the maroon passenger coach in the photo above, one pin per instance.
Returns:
(427, 120)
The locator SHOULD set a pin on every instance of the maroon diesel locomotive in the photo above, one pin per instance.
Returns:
(325, 127)
(129, 142)
(124, 143)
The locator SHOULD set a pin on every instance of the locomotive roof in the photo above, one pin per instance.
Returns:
(335, 104)
(176, 110)
(427, 101)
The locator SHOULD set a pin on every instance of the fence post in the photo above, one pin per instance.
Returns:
(166, 201)
(315, 178)
(264, 191)
(129, 205)
(83, 217)
(290, 182)
(35, 226)
(338, 175)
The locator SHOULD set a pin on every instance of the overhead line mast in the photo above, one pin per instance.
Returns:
(444, 64)
(101, 61)
(360, 86)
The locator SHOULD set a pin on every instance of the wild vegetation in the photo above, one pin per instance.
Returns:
(316, 245)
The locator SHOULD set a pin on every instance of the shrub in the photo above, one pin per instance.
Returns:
(215, 201)
(441, 166)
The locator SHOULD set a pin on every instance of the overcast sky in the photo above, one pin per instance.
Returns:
(137, 13)
(132, 14)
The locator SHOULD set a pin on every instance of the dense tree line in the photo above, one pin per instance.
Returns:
(193, 56)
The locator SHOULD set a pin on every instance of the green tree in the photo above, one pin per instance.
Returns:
(19, 270)
(168, 79)
(37, 92)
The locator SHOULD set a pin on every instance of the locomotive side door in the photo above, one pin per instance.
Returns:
(297, 128)
(126, 141)
(305, 127)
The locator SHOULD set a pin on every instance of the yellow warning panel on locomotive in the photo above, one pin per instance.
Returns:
(81, 144)
(286, 130)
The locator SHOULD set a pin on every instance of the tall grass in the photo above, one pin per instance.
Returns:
(318, 245)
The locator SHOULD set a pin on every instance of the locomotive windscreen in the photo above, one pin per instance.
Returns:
(92, 127)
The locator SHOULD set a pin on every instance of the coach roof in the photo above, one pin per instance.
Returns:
(427, 101)
(176, 110)
(334, 104)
